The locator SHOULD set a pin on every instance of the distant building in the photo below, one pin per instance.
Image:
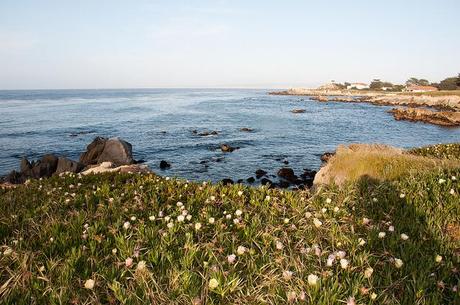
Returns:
(417, 88)
(358, 86)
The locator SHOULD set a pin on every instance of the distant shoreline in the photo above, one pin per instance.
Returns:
(445, 105)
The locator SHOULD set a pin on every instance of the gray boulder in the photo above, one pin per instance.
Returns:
(67, 165)
(93, 151)
(117, 151)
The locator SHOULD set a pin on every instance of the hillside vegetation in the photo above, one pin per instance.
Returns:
(121, 238)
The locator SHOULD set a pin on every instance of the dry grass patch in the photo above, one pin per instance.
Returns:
(375, 161)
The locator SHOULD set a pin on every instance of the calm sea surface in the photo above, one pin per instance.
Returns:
(159, 123)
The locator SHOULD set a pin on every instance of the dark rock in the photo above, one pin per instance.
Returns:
(15, 178)
(308, 182)
(117, 151)
(25, 165)
(246, 129)
(240, 181)
(283, 184)
(208, 133)
(288, 174)
(251, 180)
(43, 168)
(266, 181)
(227, 181)
(326, 156)
(203, 161)
(93, 151)
(164, 164)
(286, 162)
(194, 131)
(67, 165)
(227, 148)
(260, 173)
(298, 110)
(139, 161)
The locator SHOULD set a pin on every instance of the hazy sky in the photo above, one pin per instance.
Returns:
(130, 44)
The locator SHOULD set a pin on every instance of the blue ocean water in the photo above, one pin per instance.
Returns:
(159, 124)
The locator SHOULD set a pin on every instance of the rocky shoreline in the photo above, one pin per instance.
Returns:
(115, 155)
(447, 107)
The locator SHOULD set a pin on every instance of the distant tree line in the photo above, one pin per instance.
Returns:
(450, 83)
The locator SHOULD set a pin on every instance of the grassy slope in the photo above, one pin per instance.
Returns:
(180, 261)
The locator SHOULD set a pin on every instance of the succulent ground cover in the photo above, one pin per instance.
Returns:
(124, 238)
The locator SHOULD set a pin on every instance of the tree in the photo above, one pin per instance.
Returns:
(450, 83)
(418, 82)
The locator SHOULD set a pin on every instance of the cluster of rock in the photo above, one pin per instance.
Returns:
(286, 178)
(111, 153)
(443, 118)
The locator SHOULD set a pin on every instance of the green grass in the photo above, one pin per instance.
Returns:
(57, 233)
(441, 151)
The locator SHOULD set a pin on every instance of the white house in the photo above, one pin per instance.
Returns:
(358, 86)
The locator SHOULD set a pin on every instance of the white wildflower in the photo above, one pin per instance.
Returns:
(128, 262)
(213, 284)
(438, 258)
(398, 263)
(368, 272)
(231, 258)
(197, 226)
(287, 275)
(382, 234)
(404, 236)
(317, 222)
(312, 279)
(89, 284)
(344, 263)
(211, 220)
(241, 250)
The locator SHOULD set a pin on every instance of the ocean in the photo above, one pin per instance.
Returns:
(159, 123)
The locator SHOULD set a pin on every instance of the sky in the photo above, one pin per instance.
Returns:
(224, 44)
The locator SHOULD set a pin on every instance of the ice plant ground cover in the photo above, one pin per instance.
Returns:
(137, 239)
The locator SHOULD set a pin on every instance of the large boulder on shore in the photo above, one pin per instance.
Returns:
(114, 150)
(66, 165)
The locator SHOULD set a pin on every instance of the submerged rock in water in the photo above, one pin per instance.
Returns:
(227, 181)
(246, 129)
(208, 133)
(164, 164)
(260, 173)
(227, 148)
(266, 181)
(250, 180)
(298, 110)
(288, 174)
